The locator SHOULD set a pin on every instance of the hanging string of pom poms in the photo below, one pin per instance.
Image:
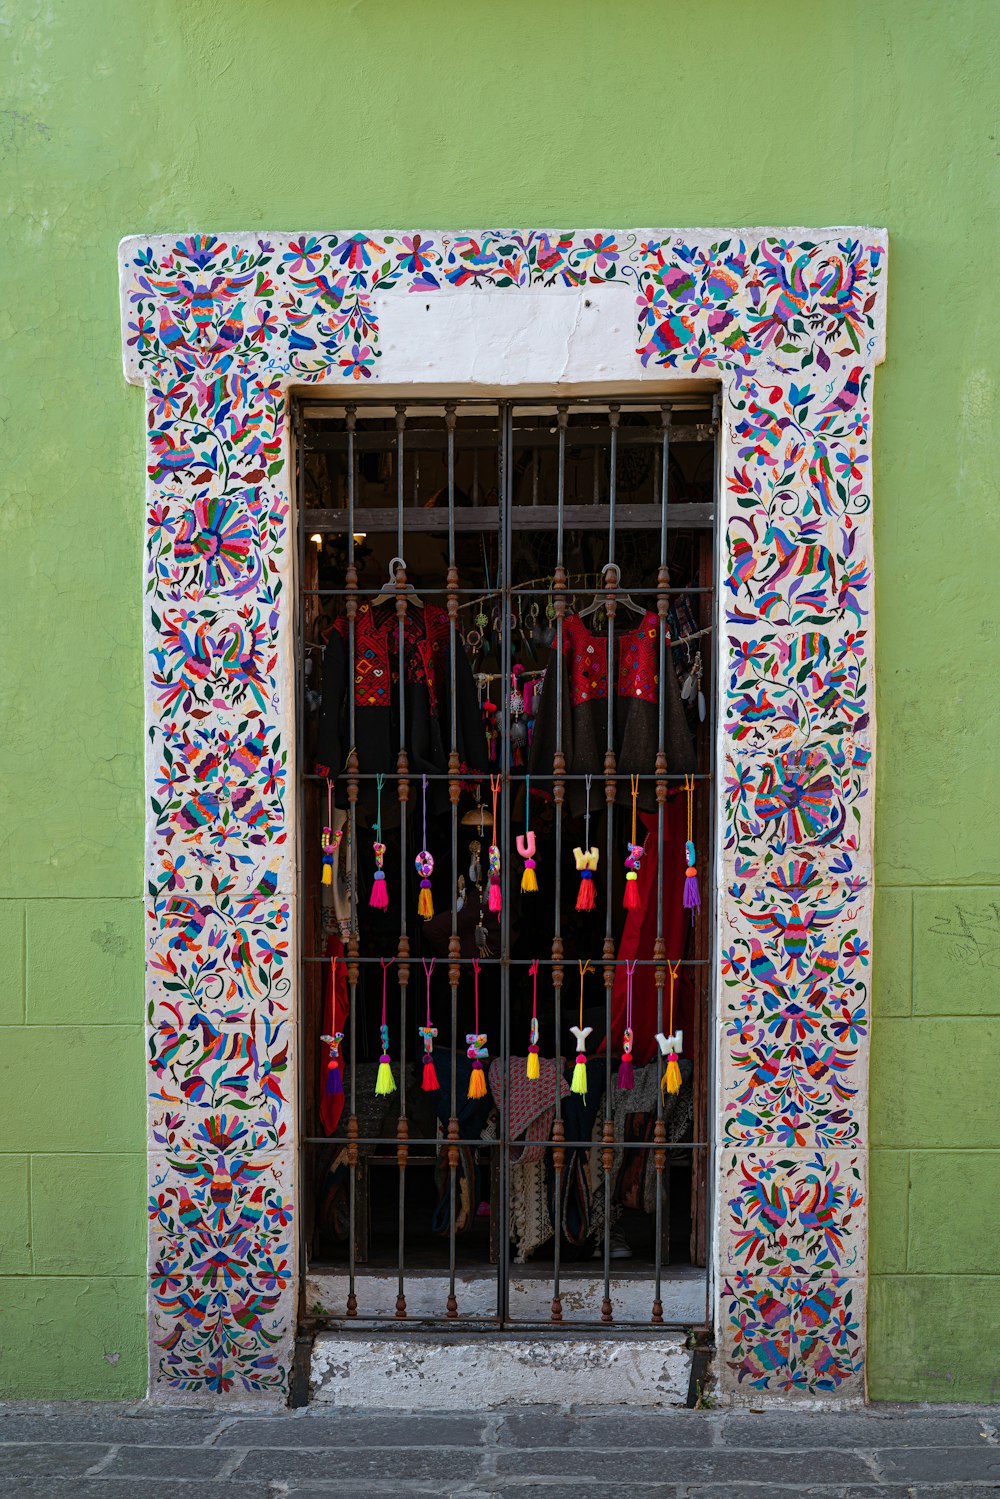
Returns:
(385, 1082)
(586, 862)
(379, 897)
(428, 1033)
(476, 1043)
(532, 1067)
(581, 1032)
(671, 1046)
(425, 868)
(692, 895)
(495, 897)
(526, 845)
(633, 859)
(626, 1075)
(334, 1081)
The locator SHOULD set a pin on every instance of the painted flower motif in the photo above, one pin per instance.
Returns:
(417, 253)
(272, 954)
(303, 256)
(602, 249)
(273, 1275)
(733, 962)
(142, 333)
(357, 364)
(747, 655)
(855, 951)
(199, 249)
(265, 328)
(850, 464)
(356, 252)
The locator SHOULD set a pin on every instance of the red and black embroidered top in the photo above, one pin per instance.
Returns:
(585, 710)
(426, 698)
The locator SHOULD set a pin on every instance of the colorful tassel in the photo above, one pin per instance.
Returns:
(633, 859)
(626, 1075)
(671, 1046)
(494, 899)
(425, 868)
(330, 841)
(578, 1083)
(586, 864)
(334, 1080)
(379, 897)
(428, 1033)
(476, 1043)
(385, 1082)
(692, 895)
(532, 1070)
(526, 848)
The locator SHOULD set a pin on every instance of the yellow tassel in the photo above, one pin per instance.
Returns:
(533, 1071)
(529, 880)
(477, 1083)
(672, 1077)
(579, 1083)
(327, 875)
(385, 1082)
(425, 903)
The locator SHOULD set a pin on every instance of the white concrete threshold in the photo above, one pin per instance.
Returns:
(449, 1371)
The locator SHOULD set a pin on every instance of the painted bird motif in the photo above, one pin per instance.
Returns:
(792, 931)
(844, 401)
(768, 1204)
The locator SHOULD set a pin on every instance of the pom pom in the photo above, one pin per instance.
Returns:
(532, 1071)
(631, 901)
(477, 1081)
(626, 1077)
(585, 897)
(579, 1082)
(384, 1082)
(379, 897)
(529, 880)
(495, 900)
(430, 1083)
(425, 903)
(672, 1076)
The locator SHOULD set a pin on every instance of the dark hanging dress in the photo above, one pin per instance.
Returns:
(585, 711)
(426, 700)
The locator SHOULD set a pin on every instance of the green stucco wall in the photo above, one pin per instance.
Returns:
(231, 114)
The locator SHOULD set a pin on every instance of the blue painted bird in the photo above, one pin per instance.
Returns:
(231, 331)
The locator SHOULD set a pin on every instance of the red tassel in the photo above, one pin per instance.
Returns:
(586, 898)
(631, 901)
(430, 1083)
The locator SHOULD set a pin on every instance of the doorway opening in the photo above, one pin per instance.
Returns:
(506, 629)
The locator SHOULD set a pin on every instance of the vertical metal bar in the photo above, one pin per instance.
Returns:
(505, 426)
(715, 657)
(353, 943)
(454, 944)
(558, 794)
(659, 953)
(403, 950)
(610, 796)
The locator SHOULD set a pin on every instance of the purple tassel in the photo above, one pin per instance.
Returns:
(692, 895)
(334, 1081)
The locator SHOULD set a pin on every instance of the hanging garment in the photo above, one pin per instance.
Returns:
(426, 700)
(585, 710)
(639, 935)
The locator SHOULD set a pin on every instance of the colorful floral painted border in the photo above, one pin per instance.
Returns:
(217, 327)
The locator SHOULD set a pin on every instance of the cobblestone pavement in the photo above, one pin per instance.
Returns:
(121, 1451)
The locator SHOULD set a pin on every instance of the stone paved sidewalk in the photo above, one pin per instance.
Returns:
(119, 1451)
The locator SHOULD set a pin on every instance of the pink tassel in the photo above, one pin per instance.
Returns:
(495, 899)
(379, 897)
(626, 1077)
